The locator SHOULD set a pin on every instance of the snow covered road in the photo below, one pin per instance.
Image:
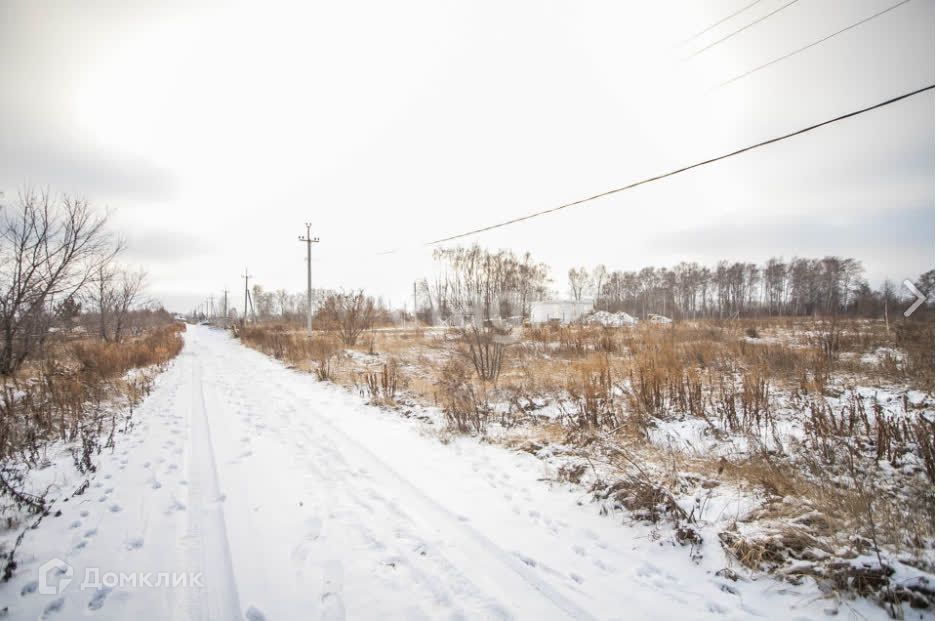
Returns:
(258, 493)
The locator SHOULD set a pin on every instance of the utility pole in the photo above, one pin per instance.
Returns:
(309, 277)
(245, 276)
(225, 311)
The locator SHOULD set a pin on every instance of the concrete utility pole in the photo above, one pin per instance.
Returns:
(309, 277)
(225, 312)
(245, 276)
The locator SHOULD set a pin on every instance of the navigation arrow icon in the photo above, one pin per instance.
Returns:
(919, 297)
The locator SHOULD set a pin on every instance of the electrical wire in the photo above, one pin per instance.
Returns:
(810, 45)
(715, 24)
(741, 29)
(682, 169)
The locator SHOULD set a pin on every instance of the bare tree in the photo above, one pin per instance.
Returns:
(283, 302)
(101, 295)
(127, 293)
(50, 250)
(579, 282)
(501, 283)
(348, 315)
(114, 292)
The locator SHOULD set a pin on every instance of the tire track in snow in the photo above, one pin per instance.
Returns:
(504, 572)
(466, 541)
(206, 533)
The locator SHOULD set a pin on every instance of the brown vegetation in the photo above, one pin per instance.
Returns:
(787, 388)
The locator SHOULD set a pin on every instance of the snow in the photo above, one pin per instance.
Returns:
(562, 311)
(263, 494)
(609, 320)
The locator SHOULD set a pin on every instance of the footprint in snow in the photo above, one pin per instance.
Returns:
(175, 506)
(333, 609)
(29, 587)
(114, 508)
(602, 565)
(97, 600)
(135, 544)
(53, 607)
(313, 528)
(91, 532)
(75, 524)
(253, 614)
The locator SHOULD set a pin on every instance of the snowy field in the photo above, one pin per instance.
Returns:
(249, 491)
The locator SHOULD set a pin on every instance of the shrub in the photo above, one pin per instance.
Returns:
(348, 315)
(465, 409)
(383, 385)
(485, 348)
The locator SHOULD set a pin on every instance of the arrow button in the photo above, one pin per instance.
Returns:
(919, 297)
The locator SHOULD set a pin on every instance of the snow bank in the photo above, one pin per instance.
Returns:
(607, 319)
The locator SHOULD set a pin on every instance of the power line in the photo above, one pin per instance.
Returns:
(739, 30)
(715, 24)
(682, 169)
(810, 45)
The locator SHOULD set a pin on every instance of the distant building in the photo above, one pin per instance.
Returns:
(559, 311)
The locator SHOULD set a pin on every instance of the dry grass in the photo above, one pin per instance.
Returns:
(758, 383)
(61, 396)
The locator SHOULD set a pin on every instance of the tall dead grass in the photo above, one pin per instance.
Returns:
(61, 397)
(283, 342)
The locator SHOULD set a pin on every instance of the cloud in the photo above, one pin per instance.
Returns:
(82, 169)
(164, 246)
(891, 241)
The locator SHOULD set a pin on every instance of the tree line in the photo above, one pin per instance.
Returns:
(474, 280)
(801, 286)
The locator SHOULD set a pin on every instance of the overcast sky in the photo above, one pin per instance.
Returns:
(215, 130)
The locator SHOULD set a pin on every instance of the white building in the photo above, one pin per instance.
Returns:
(559, 311)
